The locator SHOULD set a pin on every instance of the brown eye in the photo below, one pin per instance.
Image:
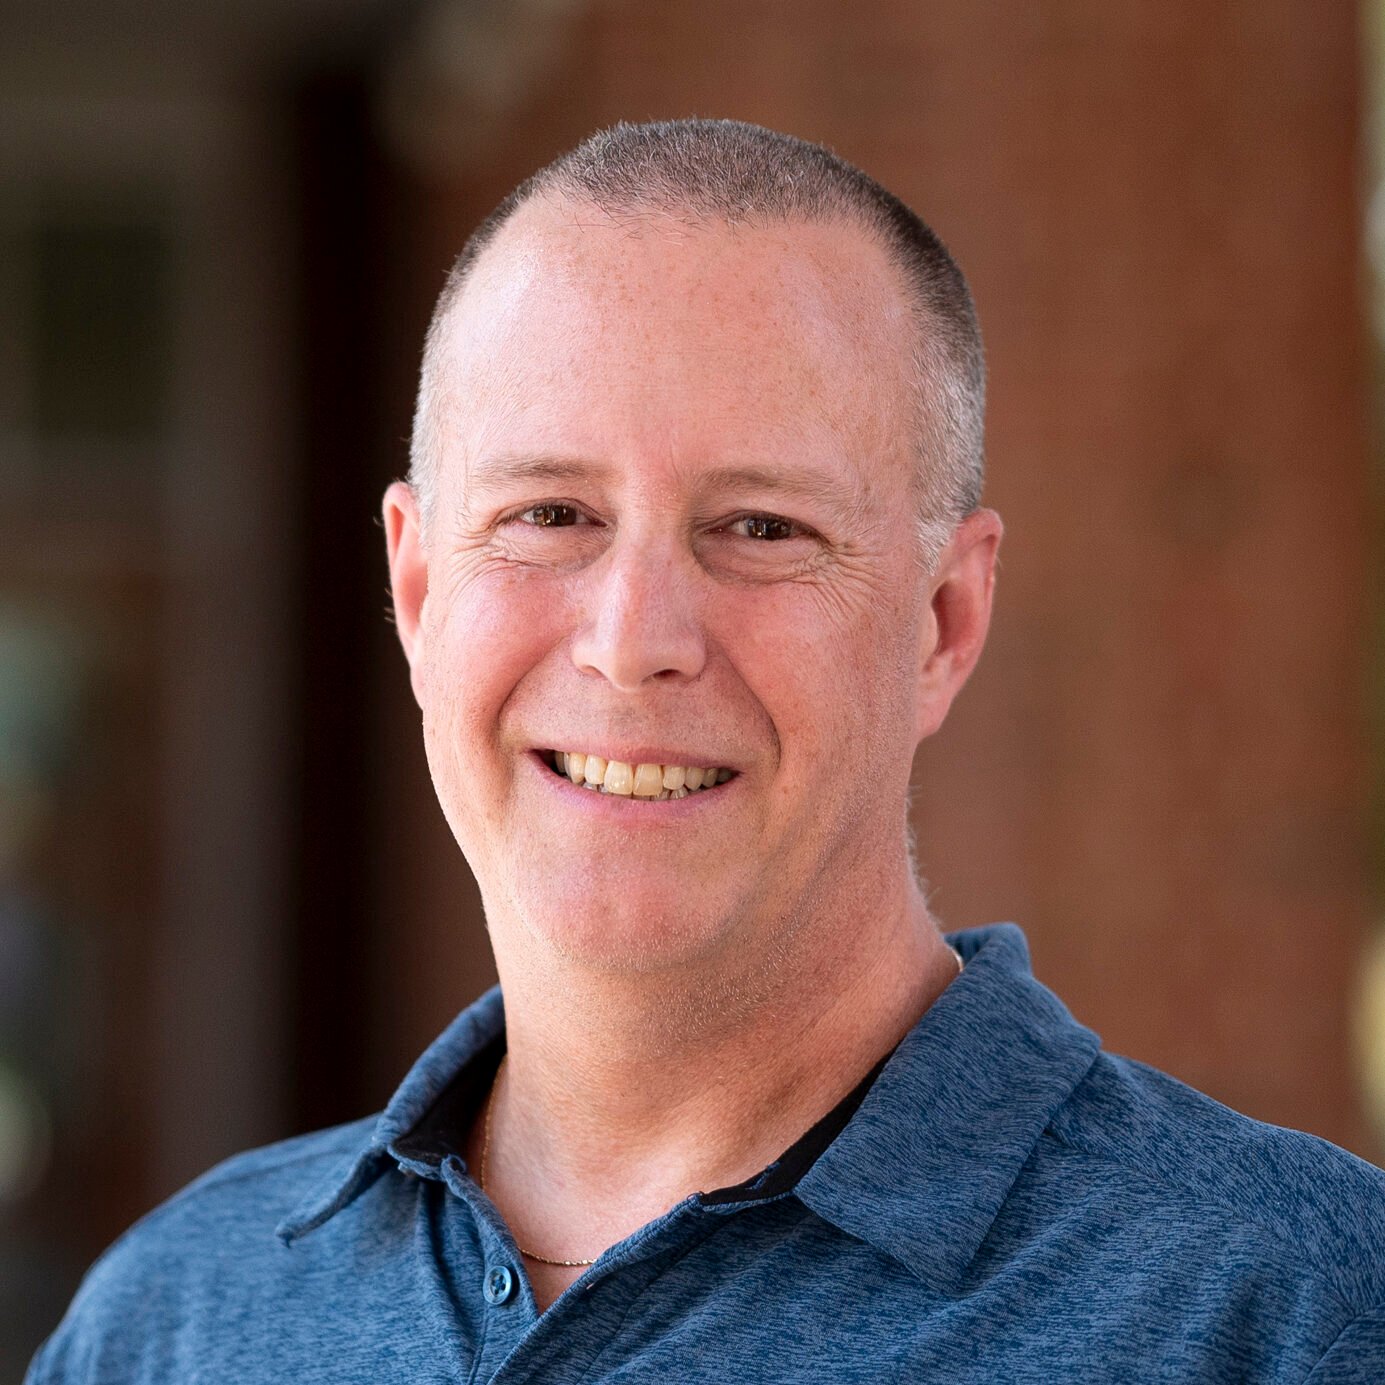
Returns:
(766, 527)
(551, 516)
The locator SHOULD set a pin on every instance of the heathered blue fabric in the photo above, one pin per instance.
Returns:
(1007, 1204)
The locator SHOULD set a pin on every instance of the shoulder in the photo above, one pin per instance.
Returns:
(247, 1193)
(1299, 1202)
(216, 1234)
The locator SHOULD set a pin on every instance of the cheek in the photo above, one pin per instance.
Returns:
(482, 638)
(836, 682)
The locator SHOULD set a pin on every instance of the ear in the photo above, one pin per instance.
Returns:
(408, 573)
(958, 617)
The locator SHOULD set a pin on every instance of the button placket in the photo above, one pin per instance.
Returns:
(483, 1272)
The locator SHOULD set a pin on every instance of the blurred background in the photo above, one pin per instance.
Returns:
(230, 909)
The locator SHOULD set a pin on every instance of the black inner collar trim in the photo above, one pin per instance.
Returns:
(442, 1130)
(783, 1175)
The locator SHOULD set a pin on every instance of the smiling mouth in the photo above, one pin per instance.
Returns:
(653, 783)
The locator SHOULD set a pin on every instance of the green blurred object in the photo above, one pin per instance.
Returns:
(41, 691)
(25, 1135)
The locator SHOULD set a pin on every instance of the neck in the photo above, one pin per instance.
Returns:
(622, 1095)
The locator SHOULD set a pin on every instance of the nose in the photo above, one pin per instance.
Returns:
(641, 621)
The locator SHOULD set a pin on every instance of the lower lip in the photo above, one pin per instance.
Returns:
(626, 809)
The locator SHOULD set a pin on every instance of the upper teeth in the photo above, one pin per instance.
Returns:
(638, 781)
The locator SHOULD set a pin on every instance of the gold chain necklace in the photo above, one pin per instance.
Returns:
(486, 1154)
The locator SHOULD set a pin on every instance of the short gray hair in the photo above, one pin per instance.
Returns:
(734, 173)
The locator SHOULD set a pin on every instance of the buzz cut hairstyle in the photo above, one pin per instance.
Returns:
(737, 174)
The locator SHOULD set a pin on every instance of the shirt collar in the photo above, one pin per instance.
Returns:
(477, 1028)
(928, 1160)
(922, 1167)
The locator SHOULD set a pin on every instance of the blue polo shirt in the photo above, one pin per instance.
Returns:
(1004, 1202)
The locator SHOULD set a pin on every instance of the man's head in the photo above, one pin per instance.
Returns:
(674, 524)
(730, 173)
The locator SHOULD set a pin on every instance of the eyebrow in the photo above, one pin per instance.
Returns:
(783, 480)
(494, 472)
(490, 473)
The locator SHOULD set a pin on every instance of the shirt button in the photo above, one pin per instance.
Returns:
(499, 1284)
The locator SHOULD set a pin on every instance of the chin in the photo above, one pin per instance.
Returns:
(628, 939)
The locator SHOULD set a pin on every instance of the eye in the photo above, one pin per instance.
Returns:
(770, 527)
(552, 515)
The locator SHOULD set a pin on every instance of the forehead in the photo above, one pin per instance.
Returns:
(579, 331)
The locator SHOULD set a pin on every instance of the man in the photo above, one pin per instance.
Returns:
(690, 560)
